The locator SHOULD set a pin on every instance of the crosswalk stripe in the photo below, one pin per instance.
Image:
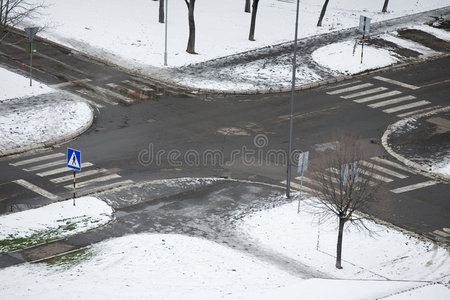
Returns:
(83, 174)
(105, 187)
(297, 187)
(36, 189)
(413, 187)
(96, 96)
(349, 89)
(366, 92)
(336, 171)
(390, 163)
(422, 110)
(399, 83)
(406, 106)
(139, 86)
(441, 233)
(375, 176)
(114, 94)
(45, 166)
(393, 101)
(345, 84)
(61, 170)
(376, 97)
(95, 180)
(36, 159)
(383, 170)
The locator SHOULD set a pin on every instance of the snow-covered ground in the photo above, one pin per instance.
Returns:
(170, 266)
(54, 221)
(37, 114)
(222, 27)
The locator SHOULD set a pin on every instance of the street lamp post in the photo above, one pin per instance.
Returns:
(291, 118)
(165, 43)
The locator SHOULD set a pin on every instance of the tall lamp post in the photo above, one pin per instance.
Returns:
(165, 40)
(291, 118)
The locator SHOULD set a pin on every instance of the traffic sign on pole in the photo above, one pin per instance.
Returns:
(74, 159)
(31, 32)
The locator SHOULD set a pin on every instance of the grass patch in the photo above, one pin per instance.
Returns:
(69, 260)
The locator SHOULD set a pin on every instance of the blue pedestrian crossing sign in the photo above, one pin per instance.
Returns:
(74, 159)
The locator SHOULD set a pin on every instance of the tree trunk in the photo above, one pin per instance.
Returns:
(386, 2)
(161, 11)
(191, 41)
(247, 6)
(339, 242)
(251, 36)
(322, 13)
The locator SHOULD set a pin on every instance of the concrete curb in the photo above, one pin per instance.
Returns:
(52, 142)
(415, 167)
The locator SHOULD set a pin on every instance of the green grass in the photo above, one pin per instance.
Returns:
(69, 260)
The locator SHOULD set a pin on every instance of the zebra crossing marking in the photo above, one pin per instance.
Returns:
(36, 159)
(406, 106)
(399, 83)
(413, 187)
(36, 189)
(349, 89)
(140, 86)
(393, 101)
(390, 163)
(105, 187)
(45, 166)
(384, 170)
(83, 174)
(95, 180)
(442, 233)
(426, 110)
(62, 170)
(367, 92)
(376, 97)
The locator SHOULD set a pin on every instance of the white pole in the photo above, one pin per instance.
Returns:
(165, 49)
(291, 119)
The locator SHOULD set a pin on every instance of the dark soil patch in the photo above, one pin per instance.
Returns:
(425, 39)
(403, 52)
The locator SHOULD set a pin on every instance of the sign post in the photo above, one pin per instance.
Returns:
(31, 46)
(74, 162)
(302, 167)
(364, 27)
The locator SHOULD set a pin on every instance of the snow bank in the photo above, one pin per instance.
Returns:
(17, 86)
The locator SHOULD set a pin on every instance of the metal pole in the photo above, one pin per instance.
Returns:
(291, 119)
(362, 41)
(73, 188)
(31, 63)
(165, 44)
(300, 193)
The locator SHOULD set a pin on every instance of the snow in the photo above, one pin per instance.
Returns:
(442, 167)
(172, 266)
(37, 114)
(88, 213)
(140, 43)
(340, 57)
(157, 266)
(17, 86)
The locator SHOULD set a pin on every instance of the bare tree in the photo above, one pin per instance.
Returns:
(191, 41)
(161, 11)
(251, 36)
(12, 12)
(385, 5)
(322, 13)
(247, 6)
(344, 184)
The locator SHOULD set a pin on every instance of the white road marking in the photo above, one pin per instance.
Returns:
(84, 99)
(305, 189)
(366, 92)
(114, 94)
(413, 187)
(344, 84)
(36, 159)
(375, 176)
(393, 101)
(383, 170)
(106, 187)
(376, 97)
(422, 110)
(391, 163)
(406, 106)
(436, 83)
(96, 96)
(62, 170)
(441, 233)
(67, 83)
(399, 83)
(95, 180)
(82, 174)
(45, 166)
(36, 189)
(349, 89)
(139, 86)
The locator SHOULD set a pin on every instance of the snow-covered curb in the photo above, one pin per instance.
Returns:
(52, 222)
(419, 169)
(53, 141)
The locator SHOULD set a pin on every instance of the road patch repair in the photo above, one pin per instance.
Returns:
(194, 237)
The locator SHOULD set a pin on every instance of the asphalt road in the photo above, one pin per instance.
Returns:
(157, 133)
